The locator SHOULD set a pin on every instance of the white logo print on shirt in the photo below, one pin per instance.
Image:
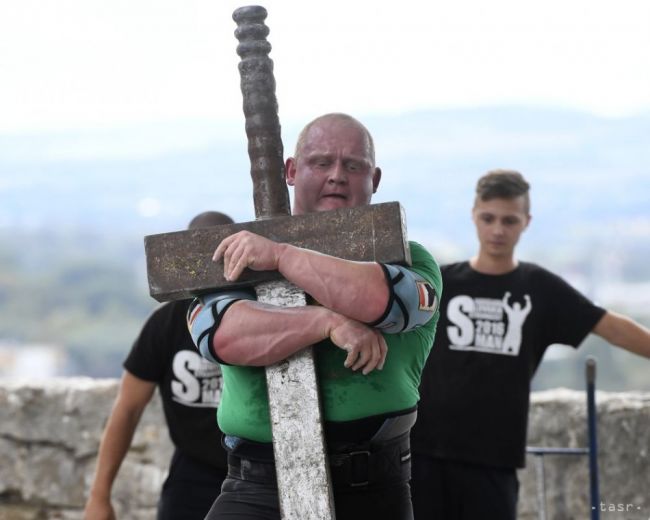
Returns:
(479, 324)
(197, 382)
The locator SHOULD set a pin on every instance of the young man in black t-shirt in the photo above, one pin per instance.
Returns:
(164, 355)
(498, 316)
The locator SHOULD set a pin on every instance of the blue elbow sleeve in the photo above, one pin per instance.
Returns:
(204, 316)
(412, 302)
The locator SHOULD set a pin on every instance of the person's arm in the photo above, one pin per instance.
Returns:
(133, 396)
(357, 305)
(357, 290)
(255, 334)
(624, 332)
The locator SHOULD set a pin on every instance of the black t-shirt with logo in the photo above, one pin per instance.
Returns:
(190, 386)
(491, 337)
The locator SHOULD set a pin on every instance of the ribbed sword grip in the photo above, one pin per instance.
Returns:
(265, 150)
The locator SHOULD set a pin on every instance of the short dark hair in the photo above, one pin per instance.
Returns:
(209, 218)
(503, 184)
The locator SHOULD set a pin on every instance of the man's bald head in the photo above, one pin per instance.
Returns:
(335, 116)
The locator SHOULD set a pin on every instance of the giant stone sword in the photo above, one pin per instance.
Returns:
(179, 265)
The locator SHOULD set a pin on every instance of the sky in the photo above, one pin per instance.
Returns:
(76, 64)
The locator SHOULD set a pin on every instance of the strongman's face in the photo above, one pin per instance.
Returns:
(333, 168)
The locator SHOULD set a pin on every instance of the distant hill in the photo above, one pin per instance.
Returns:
(590, 175)
(74, 207)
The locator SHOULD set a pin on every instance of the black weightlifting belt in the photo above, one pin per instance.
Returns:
(385, 458)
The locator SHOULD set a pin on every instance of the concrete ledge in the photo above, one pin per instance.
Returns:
(49, 436)
(558, 418)
(50, 432)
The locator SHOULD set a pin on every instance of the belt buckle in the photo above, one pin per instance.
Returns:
(363, 455)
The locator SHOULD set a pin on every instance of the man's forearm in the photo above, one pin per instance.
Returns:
(113, 448)
(357, 290)
(256, 334)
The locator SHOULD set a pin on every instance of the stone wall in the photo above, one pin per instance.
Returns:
(558, 419)
(49, 434)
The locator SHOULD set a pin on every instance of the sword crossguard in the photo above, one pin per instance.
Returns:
(265, 150)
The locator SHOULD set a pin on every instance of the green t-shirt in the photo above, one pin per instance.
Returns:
(346, 395)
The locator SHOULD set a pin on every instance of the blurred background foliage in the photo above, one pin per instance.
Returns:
(86, 295)
(78, 293)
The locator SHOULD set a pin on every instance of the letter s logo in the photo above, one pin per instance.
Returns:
(463, 332)
(187, 388)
